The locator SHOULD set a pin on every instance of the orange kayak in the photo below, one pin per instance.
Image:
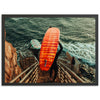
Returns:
(49, 48)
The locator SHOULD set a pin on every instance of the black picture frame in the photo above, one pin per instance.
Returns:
(48, 84)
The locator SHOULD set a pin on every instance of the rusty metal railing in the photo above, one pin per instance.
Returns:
(30, 74)
(66, 75)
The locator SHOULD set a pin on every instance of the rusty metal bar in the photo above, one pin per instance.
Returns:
(12, 81)
(72, 73)
(86, 80)
(73, 81)
(67, 75)
(28, 74)
(35, 76)
(33, 73)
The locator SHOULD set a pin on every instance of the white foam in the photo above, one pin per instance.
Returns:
(85, 51)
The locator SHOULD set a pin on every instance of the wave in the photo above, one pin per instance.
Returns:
(84, 51)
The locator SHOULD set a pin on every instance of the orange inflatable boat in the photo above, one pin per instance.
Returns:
(49, 48)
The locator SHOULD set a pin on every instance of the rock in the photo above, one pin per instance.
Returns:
(35, 44)
(17, 72)
(8, 50)
(91, 70)
(11, 67)
(68, 56)
(87, 67)
(7, 78)
(76, 68)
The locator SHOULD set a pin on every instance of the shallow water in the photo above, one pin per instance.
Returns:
(77, 35)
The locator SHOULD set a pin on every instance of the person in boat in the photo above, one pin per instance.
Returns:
(54, 65)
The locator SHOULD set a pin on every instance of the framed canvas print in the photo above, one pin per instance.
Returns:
(50, 50)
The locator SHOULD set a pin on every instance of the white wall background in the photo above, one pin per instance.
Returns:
(48, 7)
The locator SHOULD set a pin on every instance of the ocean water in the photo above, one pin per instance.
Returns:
(77, 34)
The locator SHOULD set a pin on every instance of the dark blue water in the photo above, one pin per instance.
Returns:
(77, 35)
